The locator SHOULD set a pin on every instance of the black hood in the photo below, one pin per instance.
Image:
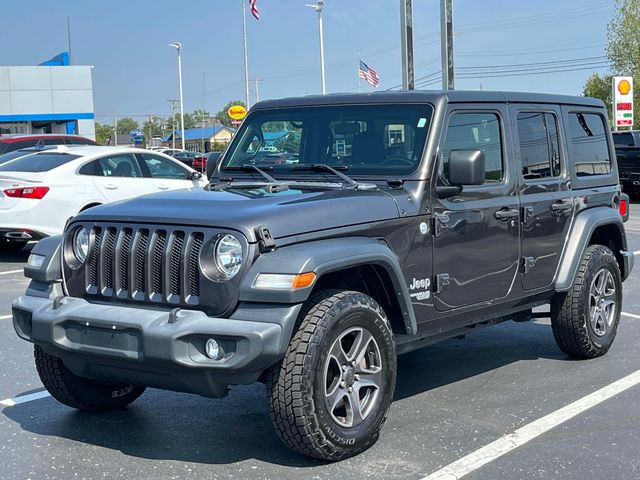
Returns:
(291, 212)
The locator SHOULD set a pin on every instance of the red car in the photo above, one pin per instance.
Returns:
(11, 142)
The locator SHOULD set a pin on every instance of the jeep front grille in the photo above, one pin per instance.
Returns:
(144, 264)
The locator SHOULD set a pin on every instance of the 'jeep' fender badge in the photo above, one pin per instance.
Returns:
(420, 288)
(424, 228)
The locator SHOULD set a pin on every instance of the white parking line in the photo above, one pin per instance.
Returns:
(504, 445)
(12, 402)
(630, 315)
(5, 317)
(11, 271)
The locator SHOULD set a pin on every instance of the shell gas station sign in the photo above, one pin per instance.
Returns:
(623, 101)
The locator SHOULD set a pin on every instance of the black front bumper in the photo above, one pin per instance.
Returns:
(157, 348)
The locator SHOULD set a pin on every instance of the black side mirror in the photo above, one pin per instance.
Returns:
(466, 167)
(195, 176)
(212, 163)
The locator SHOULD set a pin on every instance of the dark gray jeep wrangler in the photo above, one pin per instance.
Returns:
(338, 232)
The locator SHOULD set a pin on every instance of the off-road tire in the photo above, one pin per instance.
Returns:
(81, 393)
(295, 386)
(11, 245)
(570, 311)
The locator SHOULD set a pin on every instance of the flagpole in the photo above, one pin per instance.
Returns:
(358, 72)
(246, 55)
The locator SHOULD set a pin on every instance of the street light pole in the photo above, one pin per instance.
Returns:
(246, 55)
(446, 40)
(319, 6)
(178, 47)
(406, 43)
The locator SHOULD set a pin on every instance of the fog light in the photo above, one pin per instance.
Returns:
(213, 349)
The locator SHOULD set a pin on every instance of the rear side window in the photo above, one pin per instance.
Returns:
(124, 165)
(623, 139)
(37, 162)
(92, 168)
(539, 148)
(475, 131)
(589, 141)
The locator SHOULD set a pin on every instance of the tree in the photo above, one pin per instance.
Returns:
(599, 87)
(623, 43)
(126, 125)
(189, 122)
(222, 116)
(154, 127)
(103, 133)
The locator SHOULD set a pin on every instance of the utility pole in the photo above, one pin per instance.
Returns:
(406, 42)
(150, 139)
(173, 104)
(257, 80)
(446, 41)
(246, 55)
(319, 6)
(115, 129)
(202, 143)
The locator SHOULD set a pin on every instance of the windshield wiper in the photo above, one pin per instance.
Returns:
(247, 167)
(273, 184)
(322, 167)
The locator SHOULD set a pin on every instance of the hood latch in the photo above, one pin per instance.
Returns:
(266, 243)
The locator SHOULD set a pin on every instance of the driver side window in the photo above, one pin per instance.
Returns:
(475, 131)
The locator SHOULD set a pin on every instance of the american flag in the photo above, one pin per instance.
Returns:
(254, 9)
(367, 73)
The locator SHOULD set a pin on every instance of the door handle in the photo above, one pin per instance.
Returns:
(163, 187)
(561, 206)
(111, 186)
(507, 214)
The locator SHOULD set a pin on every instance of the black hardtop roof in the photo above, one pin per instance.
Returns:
(426, 96)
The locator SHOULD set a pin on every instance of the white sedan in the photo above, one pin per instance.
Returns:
(40, 191)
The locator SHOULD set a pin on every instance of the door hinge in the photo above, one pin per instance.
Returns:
(527, 214)
(442, 281)
(266, 243)
(528, 263)
(440, 223)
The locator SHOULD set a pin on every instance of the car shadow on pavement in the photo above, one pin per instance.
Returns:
(188, 428)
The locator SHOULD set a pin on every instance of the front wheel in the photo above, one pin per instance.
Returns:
(82, 393)
(330, 395)
(585, 319)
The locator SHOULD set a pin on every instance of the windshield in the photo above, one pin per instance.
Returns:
(37, 162)
(363, 139)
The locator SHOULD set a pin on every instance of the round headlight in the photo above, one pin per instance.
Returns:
(81, 244)
(228, 255)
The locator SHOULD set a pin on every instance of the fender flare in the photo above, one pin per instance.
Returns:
(584, 224)
(322, 257)
(51, 268)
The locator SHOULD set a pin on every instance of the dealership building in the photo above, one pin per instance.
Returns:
(53, 97)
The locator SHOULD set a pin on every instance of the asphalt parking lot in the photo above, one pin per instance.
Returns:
(452, 400)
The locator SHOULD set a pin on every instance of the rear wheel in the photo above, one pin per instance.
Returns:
(7, 245)
(330, 395)
(585, 319)
(82, 393)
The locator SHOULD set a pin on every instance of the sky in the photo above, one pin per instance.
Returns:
(135, 71)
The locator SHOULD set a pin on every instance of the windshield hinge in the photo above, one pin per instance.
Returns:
(266, 243)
